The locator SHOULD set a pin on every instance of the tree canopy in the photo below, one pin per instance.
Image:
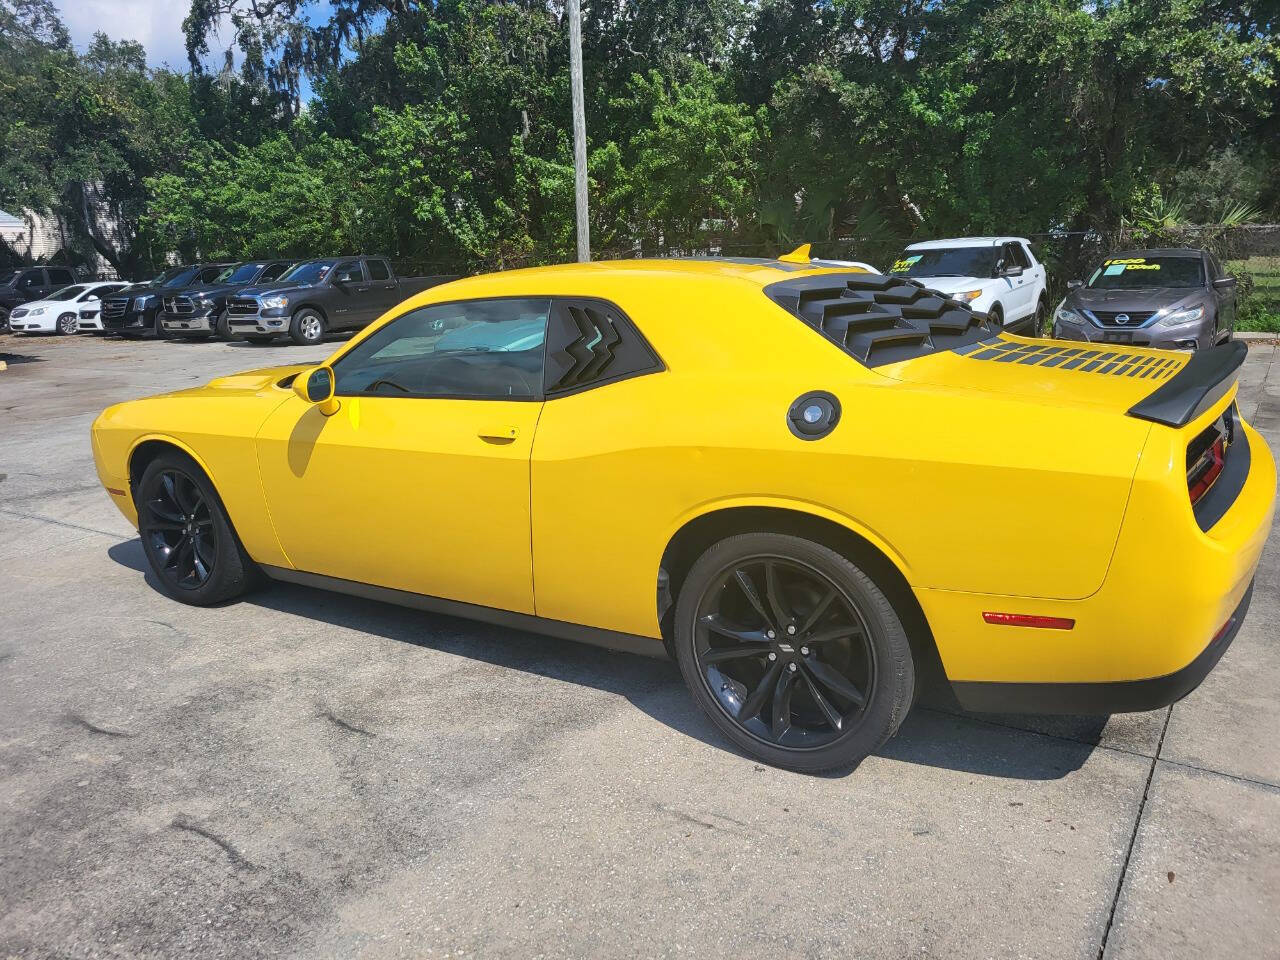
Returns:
(438, 131)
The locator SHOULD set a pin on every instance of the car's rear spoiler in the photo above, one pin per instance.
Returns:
(1206, 378)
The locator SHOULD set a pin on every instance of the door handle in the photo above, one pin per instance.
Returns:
(500, 434)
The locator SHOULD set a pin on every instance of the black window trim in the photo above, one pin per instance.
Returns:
(358, 261)
(541, 396)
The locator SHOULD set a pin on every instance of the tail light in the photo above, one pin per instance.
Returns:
(1207, 454)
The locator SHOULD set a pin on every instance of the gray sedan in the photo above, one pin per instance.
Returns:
(1177, 299)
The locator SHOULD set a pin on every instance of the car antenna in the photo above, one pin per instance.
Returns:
(799, 255)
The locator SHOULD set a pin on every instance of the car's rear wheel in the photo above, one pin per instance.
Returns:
(186, 535)
(307, 327)
(793, 652)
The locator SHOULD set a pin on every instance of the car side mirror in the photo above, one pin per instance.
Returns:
(1013, 271)
(1224, 283)
(316, 385)
(1074, 284)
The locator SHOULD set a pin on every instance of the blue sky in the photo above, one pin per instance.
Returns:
(156, 24)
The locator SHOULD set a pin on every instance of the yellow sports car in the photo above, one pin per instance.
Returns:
(808, 484)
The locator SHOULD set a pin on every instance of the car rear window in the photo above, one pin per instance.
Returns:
(879, 319)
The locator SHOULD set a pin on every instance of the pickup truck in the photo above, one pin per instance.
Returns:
(30, 283)
(320, 296)
(201, 311)
(135, 312)
(998, 276)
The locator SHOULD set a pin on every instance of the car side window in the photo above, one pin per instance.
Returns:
(348, 272)
(378, 270)
(592, 342)
(1021, 255)
(272, 271)
(32, 278)
(61, 276)
(473, 349)
(1215, 269)
(211, 274)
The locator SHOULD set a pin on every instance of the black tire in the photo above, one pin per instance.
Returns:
(222, 327)
(996, 313)
(1038, 318)
(193, 551)
(307, 327)
(161, 332)
(870, 655)
(66, 324)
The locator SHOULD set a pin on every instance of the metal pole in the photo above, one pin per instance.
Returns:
(579, 131)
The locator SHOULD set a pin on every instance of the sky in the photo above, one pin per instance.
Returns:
(156, 24)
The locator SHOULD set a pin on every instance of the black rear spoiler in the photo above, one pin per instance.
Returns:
(1205, 380)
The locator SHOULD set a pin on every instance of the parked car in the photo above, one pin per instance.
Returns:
(59, 312)
(998, 276)
(90, 312)
(30, 283)
(201, 310)
(1179, 299)
(319, 296)
(771, 471)
(137, 312)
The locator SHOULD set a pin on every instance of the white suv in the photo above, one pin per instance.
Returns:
(998, 276)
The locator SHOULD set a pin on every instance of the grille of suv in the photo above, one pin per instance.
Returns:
(1111, 318)
(115, 308)
(178, 305)
(242, 307)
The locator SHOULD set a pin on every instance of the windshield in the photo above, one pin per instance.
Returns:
(948, 262)
(312, 271)
(1139, 273)
(66, 293)
(241, 274)
(175, 277)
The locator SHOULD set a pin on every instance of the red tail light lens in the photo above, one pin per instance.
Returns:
(1028, 620)
(1206, 456)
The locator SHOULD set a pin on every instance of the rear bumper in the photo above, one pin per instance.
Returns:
(1096, 699)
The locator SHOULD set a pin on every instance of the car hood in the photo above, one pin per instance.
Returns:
(1091, 376)
(952, 284)
(273, 288)
(1154, 298)
(244, 383)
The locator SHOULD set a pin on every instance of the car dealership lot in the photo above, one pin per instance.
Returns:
(309, 774)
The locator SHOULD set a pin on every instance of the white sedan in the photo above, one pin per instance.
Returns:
(60, 311)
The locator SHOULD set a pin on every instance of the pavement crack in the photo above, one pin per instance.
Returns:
(94, 728)
(350, 727)
(181, 822)
(712, 821)
(1133, 837)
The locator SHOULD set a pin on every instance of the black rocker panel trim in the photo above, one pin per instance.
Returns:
(591, 342)
(879, 319)
(1097, 699)
(1205, 380)
(596, 636)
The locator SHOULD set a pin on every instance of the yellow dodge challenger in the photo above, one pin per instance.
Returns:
(809, 485)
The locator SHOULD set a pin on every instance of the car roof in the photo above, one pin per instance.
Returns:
(965, 242)
(1188, 252)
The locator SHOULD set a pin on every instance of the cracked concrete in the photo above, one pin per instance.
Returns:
(309, 775)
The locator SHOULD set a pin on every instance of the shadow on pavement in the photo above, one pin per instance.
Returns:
(1025, 748)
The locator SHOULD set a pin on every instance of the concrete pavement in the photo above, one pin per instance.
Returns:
(303, 774)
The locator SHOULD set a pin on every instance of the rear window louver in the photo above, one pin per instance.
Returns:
(880, 319)
(591, 342)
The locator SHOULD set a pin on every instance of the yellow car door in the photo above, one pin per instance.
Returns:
(420, 480)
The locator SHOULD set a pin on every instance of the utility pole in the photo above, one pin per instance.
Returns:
(579, 131)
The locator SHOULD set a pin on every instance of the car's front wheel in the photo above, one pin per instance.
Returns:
(307, 327)
(67, 324)
(1038, 318)
(793, 651)
(186, 535)
(222, 326)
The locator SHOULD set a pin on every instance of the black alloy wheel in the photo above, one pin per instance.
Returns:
(178, 524)
(68, 323)
(793, 651)
(187, 536)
